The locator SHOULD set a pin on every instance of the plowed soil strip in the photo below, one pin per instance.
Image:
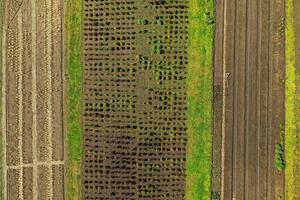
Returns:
(253, 97)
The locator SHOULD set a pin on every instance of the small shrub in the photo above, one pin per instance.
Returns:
(157, 47)
(215, 196)
(209, 19)
(279, 157)
(143, 21)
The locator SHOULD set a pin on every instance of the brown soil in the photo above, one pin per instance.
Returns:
(28, 183)
(249, 66)
(34, 103)
(44, 186)
(58, 182)
(134, 99)
(13, 185)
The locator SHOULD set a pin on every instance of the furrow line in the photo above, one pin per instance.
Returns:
(234, 106)
(224, 103)
(269, 131)
(49, 88)
(20, 100)
(246, 101)
(4, 121)
(259, 36)
(34, 102)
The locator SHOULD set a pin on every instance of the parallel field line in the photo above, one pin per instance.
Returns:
(259, 36)
(224, 101)
(4, 120)
(49, 88)
(269, 131)
(20, 101)
(34, 102)
(48, 164)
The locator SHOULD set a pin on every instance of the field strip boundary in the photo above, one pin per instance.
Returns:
(49, 164)
(224, 100)
(49, 87)
(20, 101)
(3, 117)
(34, 102)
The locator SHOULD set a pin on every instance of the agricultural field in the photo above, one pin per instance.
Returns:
(249, 82)
(33, 139)
(134, 94)
(149, 99)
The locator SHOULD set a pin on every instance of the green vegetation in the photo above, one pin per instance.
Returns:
(157, 47)
(1, 81)
(143, 21)
(279, 151)
(279, 157)
(199, 100)
(215, 196)
(292, 102)
(73, 98)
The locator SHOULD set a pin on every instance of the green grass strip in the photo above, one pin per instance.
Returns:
(73, 98)
(292, 103)
(199, 100)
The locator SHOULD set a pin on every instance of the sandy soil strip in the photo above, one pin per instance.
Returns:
(49, 88)
(34, 101)
(20, 101)
(4, 104)
(49, 164)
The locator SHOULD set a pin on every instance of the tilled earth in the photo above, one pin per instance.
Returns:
(34, 157)
(135, 58)
(249, 108)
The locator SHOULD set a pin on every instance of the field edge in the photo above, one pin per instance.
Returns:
(292, 100)
(73, 87)
(199, 100)
(2, 5)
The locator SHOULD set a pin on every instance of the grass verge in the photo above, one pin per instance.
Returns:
(199, 99)
(292, 103)
(73, 69)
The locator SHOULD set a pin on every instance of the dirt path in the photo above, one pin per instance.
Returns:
(249, 61)
(34, 100)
